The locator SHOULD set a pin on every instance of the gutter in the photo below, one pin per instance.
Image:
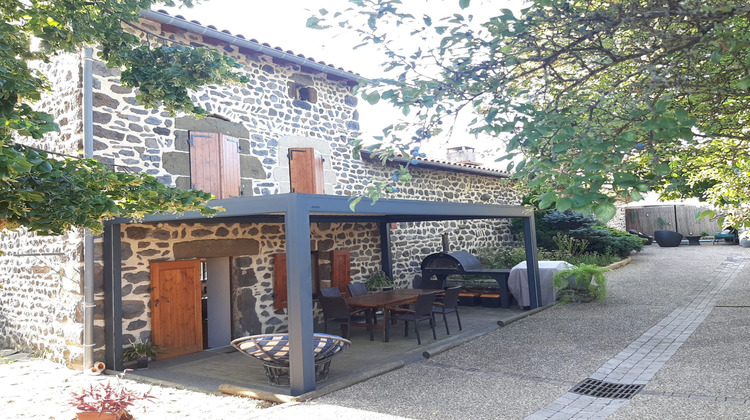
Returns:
(253, 46)
(372, 157)
(88, 240)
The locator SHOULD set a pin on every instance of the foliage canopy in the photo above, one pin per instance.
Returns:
(596, 100)
(49, 194)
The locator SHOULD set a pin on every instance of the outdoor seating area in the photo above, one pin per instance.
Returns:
(215, 367)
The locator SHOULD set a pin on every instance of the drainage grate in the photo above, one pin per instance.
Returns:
(601, 389)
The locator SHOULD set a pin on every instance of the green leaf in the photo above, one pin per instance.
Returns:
(744, 83)
(463, 3)
(636, 195)
(564, 203)
(605, 211)
(706, 213)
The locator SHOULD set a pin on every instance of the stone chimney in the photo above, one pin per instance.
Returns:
(463, 155)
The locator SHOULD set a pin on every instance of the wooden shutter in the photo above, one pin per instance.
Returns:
(306, 171)
(215, 164)
(340, 269)
(230, 167)
(279, 281)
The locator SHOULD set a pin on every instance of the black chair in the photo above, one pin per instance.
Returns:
(422, 311)
(447, 305)
(335, 309)
(330, 292)
(357, 289)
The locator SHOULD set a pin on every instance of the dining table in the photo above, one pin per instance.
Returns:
(385, 300)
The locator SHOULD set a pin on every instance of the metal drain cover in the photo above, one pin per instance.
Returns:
(601, 389)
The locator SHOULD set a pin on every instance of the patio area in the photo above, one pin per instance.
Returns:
(207, 370)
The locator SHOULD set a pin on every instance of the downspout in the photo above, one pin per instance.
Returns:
(88, 240)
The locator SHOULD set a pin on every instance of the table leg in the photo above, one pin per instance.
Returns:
(386, 324)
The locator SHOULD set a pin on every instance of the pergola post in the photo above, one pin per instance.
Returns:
(385, 248)
(532, 265)
(112, 250)
(299, 297)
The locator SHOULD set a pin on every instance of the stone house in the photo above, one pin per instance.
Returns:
(287, 130)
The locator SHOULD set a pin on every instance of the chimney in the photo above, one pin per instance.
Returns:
(463, 155)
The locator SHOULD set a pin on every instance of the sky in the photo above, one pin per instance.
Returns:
(282, 23)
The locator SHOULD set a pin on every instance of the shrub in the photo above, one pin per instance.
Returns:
(509, 257)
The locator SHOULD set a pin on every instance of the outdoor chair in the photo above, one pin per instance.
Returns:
(336, 310)
(357, 289)
(273, 351)
(422, 311)
(448, 304)
(330, 291)
(728, 235)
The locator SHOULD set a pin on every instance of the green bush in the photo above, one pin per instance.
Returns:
(605, 240)
(509, 257)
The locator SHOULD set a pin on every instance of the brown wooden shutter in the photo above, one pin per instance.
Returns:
(230, 167)
(306, 171)
(279, 281)
(340, 269)
(215, 164)
(204, 159)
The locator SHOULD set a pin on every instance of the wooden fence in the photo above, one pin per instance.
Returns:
(681, 218)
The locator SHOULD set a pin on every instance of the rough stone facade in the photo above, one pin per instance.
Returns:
(41, 276)
(267, 116)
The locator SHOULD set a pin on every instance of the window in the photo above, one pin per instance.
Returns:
(215, 164)
(302, 92)
(306, 171)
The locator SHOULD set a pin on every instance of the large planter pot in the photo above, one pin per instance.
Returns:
(141, 362)
(667, 238)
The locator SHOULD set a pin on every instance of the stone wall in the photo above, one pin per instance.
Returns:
(259, 113)
(41, 276)
(252, 265)
(41, 294)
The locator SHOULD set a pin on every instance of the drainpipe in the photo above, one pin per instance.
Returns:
(88, 240)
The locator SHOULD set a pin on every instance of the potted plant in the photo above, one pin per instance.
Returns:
(141, 352)
(576, 282)
(377, 281)
(104, 401)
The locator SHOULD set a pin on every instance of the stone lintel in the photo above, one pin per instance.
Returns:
(209, 248)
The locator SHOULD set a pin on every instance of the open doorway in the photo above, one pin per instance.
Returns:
(216, 302)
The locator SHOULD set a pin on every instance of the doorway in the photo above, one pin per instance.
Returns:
(217, 302)
(190, 305)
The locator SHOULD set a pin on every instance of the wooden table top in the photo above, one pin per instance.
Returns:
(387, 298)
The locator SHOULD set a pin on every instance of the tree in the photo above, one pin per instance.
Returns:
(596, 100)
(48, 193)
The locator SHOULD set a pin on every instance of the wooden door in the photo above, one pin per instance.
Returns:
(176, 323)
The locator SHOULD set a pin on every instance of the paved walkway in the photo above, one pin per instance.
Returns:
(675, 332)
(677, 323)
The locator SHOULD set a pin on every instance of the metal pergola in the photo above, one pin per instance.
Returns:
(297, 212)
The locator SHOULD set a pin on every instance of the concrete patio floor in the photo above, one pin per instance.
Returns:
(212, 368)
